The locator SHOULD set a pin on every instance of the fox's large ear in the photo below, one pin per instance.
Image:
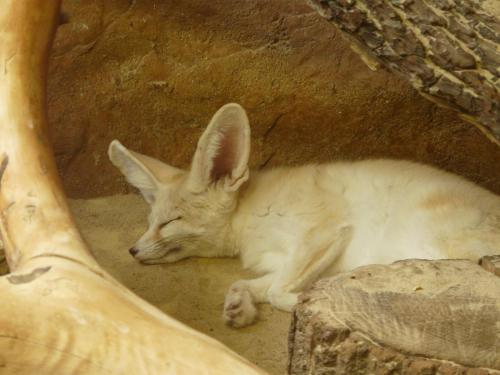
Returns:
(141, 171)
(223, 151)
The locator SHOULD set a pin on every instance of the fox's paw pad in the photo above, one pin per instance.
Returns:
(239, 310)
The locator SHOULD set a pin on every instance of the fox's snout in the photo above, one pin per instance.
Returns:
(167, 253)
(133, 251)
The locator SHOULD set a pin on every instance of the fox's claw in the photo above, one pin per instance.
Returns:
(239, 310)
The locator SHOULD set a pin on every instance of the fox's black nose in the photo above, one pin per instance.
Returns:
(133, 251)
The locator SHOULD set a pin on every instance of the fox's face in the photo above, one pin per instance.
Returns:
(191, 210)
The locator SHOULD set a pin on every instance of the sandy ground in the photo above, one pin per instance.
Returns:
(191, 291)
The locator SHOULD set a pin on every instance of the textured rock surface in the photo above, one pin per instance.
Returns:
(404, 318)
(151, 73)
(448, 50)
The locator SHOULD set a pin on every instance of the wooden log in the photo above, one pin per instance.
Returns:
(61, 313)
(449, 50)
(411, 317)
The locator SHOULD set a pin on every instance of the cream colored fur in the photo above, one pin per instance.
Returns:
(294, 225)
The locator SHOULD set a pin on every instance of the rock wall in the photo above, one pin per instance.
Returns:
(151, 73)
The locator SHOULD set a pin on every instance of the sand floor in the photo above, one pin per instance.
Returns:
(191, 291)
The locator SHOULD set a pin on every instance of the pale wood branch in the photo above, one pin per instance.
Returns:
(35, 219)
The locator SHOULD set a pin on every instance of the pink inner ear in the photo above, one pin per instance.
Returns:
(226, 158)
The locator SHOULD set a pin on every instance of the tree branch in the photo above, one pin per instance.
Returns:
(449, 50)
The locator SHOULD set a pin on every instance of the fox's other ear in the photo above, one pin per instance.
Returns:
(223, 151)
(141, 171)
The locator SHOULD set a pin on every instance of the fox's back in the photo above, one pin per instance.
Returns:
(401, 209)
(397, 209)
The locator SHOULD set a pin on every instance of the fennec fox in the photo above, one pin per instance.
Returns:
(293, 225)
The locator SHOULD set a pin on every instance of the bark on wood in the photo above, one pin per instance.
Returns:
(60, 312)
(411, 317)
(448, 49)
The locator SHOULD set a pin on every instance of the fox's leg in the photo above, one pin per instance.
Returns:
(319, 250)
(2, 253)
(239, 306)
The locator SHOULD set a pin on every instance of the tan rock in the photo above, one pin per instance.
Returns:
(411, 317)
(152, 73)
(491, 264)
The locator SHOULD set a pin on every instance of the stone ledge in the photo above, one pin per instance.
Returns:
(410, 317)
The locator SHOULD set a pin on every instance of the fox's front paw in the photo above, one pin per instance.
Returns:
(239, 309)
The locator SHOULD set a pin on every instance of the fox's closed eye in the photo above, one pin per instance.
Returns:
(164, 224)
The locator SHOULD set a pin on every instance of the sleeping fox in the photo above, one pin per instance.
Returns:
(294, 225)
